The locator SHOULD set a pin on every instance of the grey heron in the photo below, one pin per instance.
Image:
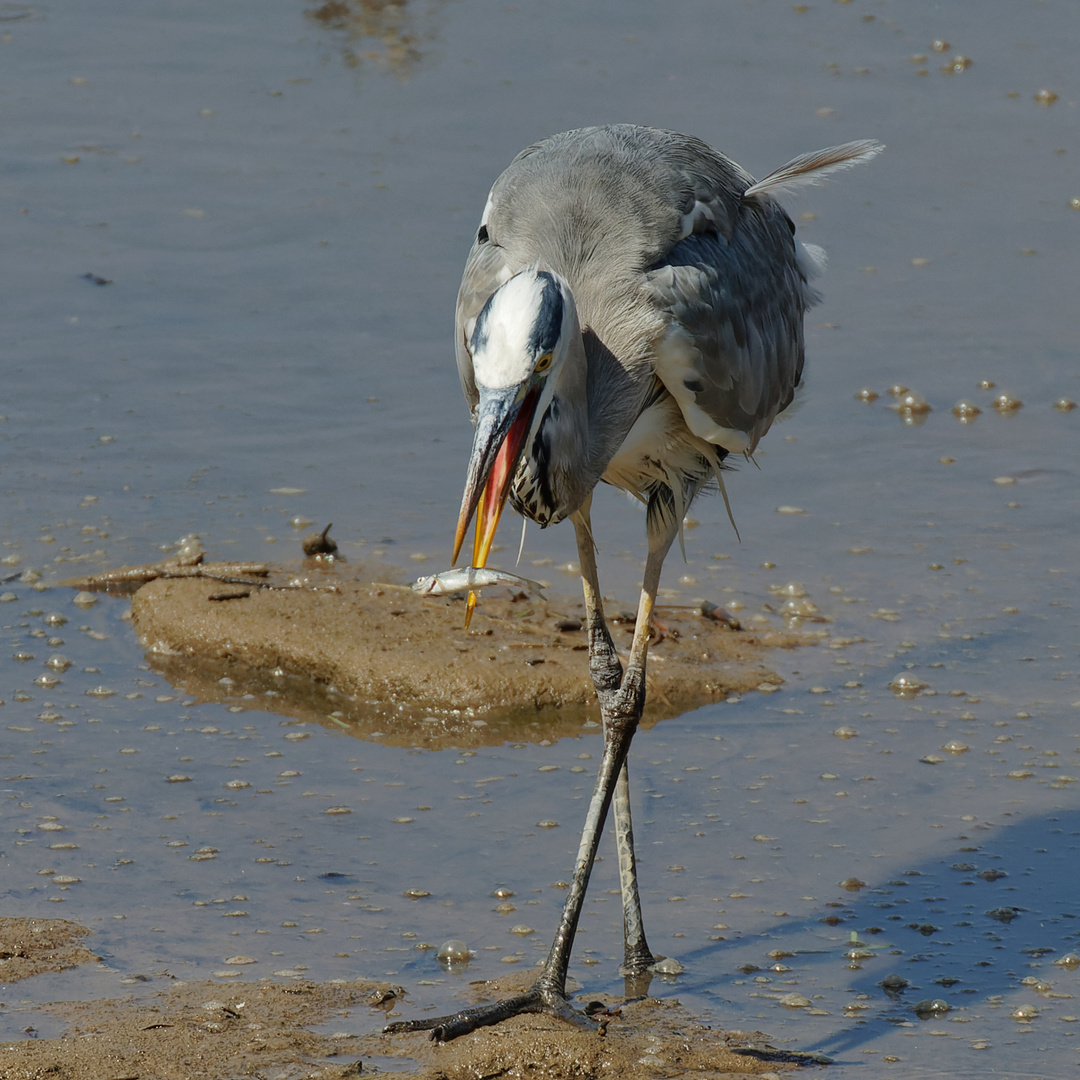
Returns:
(631, 311)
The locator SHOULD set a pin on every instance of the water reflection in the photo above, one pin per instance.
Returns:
(304, 702)
(391, 35)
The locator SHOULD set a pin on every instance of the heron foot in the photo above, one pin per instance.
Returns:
(605, 667)
(637, 964)
(624, 703)
(537, 1000)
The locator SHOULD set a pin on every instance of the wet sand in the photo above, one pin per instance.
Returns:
(206, 1031)
(30, 946)
(393, 655)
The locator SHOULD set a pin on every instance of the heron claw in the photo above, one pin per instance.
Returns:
(536, 1000)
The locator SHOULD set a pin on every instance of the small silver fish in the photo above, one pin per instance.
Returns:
(470, 578)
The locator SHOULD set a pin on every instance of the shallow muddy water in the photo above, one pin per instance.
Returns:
(279, 200)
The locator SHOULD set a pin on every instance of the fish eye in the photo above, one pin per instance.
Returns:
(543, 363)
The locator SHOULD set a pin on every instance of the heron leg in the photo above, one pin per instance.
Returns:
(607, 673)
(604, 664)
(621, 707)
(637, 956)
(548, 994)
(622, 699)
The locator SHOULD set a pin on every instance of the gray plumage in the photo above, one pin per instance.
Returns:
(689, 292)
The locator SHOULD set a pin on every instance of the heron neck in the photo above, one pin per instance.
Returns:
(570, 431)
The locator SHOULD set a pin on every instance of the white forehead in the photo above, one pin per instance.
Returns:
(513, 329)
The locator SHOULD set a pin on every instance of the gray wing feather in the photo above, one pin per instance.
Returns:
(732, 354)
(733, 298)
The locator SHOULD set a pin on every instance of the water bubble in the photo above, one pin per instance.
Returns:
(956, 65)
(793, 588)
(453, 952)
(189, 550)
(794, 1001)
(927, 1008)
(965, 411)
(798, 609)
(1006, 404)
(911, 401)
(907, 685)
(668, 966)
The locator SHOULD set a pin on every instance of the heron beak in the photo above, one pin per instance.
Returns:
(502, 426)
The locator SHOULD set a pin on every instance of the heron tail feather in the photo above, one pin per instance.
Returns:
(813, 168)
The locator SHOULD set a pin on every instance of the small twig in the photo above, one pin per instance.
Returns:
(140, 575)
(230, 580)
(720, 615)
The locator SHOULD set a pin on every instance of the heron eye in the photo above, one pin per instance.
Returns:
(543, 363)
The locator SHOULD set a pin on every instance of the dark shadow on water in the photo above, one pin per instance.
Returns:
(960, 929)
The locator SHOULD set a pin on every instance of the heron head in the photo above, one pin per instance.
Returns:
(518, 345)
